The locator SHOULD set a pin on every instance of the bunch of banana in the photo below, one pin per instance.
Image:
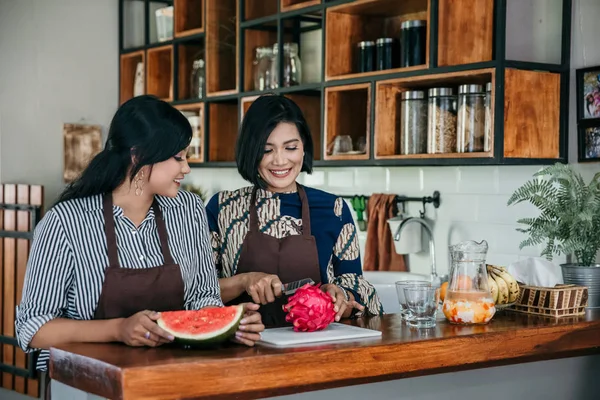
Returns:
(503, 286)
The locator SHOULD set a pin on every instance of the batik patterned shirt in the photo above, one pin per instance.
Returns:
(280, 215)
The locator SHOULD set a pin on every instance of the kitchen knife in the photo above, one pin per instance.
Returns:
(290, 288)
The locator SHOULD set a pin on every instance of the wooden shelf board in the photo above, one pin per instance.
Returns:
(222, 93)
(376, 73)
(380, 8)
(445, 78)
(298, 5)
(189, 32)
(190, 106)
(339, 157)
(488, 154)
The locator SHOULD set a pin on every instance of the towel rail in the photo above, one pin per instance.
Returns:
(433, 199)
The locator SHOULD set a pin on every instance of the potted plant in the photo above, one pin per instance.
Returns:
(569, 223)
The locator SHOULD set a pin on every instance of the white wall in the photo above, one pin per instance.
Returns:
(59, 64)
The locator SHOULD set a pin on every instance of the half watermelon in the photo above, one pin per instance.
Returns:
(202, 328)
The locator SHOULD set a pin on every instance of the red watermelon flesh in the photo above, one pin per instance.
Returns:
(208, 326)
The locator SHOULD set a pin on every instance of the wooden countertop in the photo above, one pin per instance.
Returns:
(120, 372)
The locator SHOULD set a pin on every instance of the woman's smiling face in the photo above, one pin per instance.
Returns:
(283, 158)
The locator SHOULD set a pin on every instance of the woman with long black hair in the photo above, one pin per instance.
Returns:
(123, 243)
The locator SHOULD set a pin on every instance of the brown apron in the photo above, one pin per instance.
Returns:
(127, 291)
(291, 258)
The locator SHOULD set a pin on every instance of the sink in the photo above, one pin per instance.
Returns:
(384, 283)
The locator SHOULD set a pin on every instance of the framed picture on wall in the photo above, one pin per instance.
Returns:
(81, 143)
(588, 138)
(588, 93)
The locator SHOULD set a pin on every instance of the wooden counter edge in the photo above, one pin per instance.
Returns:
(278, 374)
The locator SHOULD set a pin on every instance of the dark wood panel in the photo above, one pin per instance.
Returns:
(465, 31)
(189, 17)
(531, 125)
(221, 46)
(223, 130)
(129, 64)
(159, 72)
(259, 8)
(118, 371)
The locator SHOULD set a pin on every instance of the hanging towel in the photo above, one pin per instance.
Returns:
(379, 251)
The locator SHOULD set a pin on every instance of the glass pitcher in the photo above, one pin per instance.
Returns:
(468, 298)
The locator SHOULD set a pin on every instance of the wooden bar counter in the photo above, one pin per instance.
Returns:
(119, 372)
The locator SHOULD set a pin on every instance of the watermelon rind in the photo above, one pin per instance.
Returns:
(209, 339)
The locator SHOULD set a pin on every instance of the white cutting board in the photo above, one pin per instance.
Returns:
(282, 337)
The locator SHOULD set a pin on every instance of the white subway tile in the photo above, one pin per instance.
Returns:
(456, 207)
(405, 181)
(444, 180)
(317, 178)
(511, 177)
(371, 180)
(494, 208)
(478, 179)
(341, 181)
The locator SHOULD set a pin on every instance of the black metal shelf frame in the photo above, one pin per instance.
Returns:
(499, 63)
(34, 213)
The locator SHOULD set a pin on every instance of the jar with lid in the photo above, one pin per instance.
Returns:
(275, 66)
(262, 68)
(365, 56)
(197, 79)
(386, 54)
(441, 121)
(292, 66)
(413, 122)
(471, 119)
(487, 139)
(414, 42)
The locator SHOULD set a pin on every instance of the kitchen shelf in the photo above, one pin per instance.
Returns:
(222, 131)
(159, 72)
(348, 24)
(255, 9)
(222, 39)
(464, 44)
(290, 5)
(189, 17)
(388, 117)
(347, 113)
(187, 53)
(129, 65)
(196, 109)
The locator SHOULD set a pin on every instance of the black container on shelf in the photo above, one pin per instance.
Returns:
(365, 56)
(414, 42)
(386, 54)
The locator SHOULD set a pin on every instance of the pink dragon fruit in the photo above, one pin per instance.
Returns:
(309, 309)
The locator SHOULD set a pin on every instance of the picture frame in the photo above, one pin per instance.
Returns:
(588, 93)
(588, 140)
(81, 142)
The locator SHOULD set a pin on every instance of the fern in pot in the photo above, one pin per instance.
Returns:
(569, 223)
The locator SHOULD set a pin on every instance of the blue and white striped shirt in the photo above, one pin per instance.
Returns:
(68, 256)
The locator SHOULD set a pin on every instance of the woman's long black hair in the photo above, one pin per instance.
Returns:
(144, 129)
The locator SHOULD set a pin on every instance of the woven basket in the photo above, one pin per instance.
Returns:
(558, 301)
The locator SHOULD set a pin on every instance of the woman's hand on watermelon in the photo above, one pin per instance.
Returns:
(342, 307)
(250, 327)
(141, 329)
(263, 288)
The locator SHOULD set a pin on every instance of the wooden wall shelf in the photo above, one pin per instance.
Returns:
(464, 44)
(129, 65)
(189, 17)
(197, 110)
(159, 72)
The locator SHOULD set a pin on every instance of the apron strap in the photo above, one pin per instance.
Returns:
(253, 211)
(109, 230)
(162, 233)
(305, 211)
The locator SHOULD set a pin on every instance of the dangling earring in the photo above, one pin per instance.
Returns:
(139, 183)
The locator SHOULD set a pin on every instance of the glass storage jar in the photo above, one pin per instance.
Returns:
(413, 122)
(292, 66)
(471, 119)
(441, 121)
(487, 139)
(262, 68)
(275, 66)
(197, 79)
(195, 148)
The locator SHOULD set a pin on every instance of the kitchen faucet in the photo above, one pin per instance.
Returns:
(435, 280)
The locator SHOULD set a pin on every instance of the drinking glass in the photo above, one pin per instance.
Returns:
(400, 285)
(422, 302)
